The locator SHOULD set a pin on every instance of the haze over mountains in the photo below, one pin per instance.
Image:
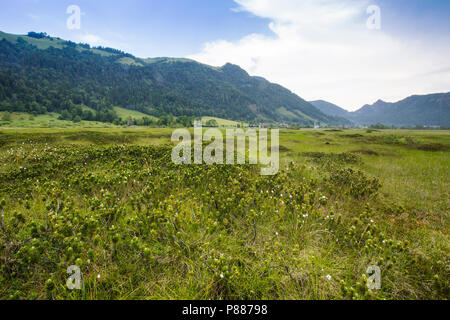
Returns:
(43, 74)
(417, 110)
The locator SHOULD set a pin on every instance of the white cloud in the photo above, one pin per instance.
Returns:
(322, 49)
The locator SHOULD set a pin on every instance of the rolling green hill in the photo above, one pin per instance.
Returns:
(40, 74)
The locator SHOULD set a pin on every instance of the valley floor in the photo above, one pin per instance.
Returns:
(111, 202)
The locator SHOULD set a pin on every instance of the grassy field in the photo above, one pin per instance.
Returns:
(111, 202)
(224, 122)
(49, 120)
(126, 114)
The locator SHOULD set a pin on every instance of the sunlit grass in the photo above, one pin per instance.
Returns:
(142, 228)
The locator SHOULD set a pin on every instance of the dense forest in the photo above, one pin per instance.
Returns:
(84, 83)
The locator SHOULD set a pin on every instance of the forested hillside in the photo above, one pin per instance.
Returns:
(40, 74)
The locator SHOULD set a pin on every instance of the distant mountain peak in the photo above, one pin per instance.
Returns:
(235, 69)
(229, 65)
(416, 110)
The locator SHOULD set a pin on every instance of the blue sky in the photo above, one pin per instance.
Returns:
(320, 49)
(146, 28)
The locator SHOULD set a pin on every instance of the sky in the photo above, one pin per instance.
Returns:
(348, 52)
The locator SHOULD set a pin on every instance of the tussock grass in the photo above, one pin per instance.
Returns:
(140, 227)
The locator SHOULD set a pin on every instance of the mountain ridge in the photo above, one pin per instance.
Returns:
(41, 73)
(329, 108)
(415, 110)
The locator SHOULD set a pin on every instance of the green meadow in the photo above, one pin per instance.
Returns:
(110, 201)
(50, 120)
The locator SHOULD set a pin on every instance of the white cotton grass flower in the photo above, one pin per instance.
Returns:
(328, 277)
(98, 276)
(221, 275)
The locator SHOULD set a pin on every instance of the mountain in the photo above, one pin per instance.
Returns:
(417, 110)
(330, 109)
(41, 74)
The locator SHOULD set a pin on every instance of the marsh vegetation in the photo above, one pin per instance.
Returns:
(140, 227)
